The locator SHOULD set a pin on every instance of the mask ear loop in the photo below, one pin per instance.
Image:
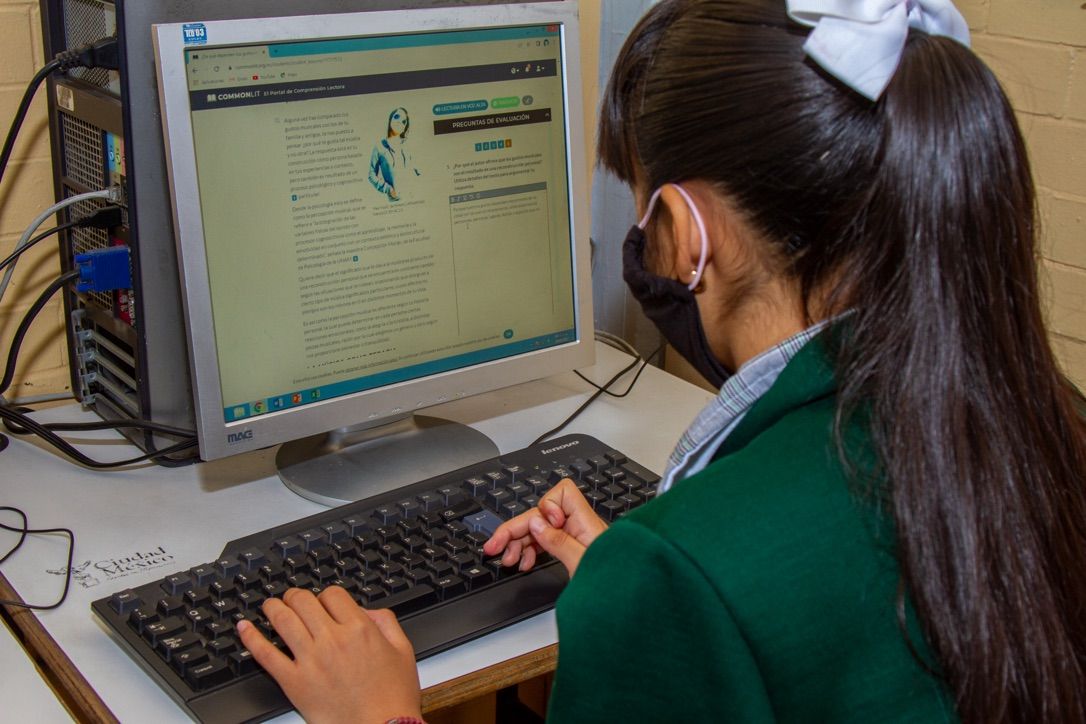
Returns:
(697, 220)
(705, 238)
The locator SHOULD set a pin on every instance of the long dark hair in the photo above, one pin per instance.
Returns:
(917, 213)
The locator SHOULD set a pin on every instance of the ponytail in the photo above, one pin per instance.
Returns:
(916, 213)
(976, 430)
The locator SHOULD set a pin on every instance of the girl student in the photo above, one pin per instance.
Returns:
(882, 517)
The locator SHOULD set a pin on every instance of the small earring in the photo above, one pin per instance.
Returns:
(701, 282)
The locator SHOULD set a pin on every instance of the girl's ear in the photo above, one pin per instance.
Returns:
(684, 233)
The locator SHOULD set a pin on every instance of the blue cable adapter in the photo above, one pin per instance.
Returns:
(103, 270)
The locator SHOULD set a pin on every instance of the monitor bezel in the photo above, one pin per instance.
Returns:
(218, 438)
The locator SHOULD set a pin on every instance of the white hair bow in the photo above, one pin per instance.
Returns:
(860, 41)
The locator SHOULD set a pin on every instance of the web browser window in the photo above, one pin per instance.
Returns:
(377, 209)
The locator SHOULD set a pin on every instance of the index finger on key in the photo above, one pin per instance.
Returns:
(512, 529)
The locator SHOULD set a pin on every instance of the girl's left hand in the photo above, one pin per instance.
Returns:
(350, 664)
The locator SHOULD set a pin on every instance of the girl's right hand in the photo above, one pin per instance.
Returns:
(563, 524)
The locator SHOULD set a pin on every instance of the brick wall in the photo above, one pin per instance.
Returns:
(1037, 47)
(1038, 50)
(26, 191)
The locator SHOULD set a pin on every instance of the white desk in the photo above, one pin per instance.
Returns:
(134, 527)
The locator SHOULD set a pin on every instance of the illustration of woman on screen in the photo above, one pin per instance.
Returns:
(390, 159)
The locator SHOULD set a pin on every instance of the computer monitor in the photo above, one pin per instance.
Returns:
(375, 213)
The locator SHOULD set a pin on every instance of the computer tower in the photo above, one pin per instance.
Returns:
(127, 350)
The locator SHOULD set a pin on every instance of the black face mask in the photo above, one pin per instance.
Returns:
(671, 307)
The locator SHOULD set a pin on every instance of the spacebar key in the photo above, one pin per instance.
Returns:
(409, 601)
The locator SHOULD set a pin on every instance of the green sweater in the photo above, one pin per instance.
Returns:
(757, 590)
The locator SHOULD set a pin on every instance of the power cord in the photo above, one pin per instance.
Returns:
(101, 53)
(602, 389)
(24, 530)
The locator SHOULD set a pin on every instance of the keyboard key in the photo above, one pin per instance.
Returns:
(125, 602)
(462, 560)
(476, 487)
(387, 514)
(450, 495)
(410, 600)
(615, 457)
(190, 657)
(288, 546)
(227, 568)
(170, 605)
(476, 577)
(409, 526)
(251, 559)
(222, 646)
(355, 524)
(599, 462)
(320, 556)
(511, 509)
(203, 575)
(335, 532)
(495, 498)
(610, 510)
(169, 626)
(225, 608)
(177, 584)
(211, 673)
(484, 521)
(197, 597)
(222, 589)
(497, 479)
(449, 586)
(441, 567)
(537, 484)
(463, 508)
(514, 472)
(198, 617)
(168, 646)
(241, 662)
(217, 629)
(409, 508)
(272, 572)
(431, 502)
(395, 584)
(581, 469)
(612, 490)
(643, 474)
(312, 538)
(140, 617)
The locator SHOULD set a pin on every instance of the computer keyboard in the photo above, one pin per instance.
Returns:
(416, 550)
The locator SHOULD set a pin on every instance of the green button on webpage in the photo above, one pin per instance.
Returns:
(510, 102)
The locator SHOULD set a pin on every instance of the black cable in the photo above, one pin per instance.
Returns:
(595, 395)
(75, 454)
(106, 217)
(158, 427)
(619, 395)
(24, 325)
(101, 53)
(12, 416)
(24, 530)
(44, 235)
(20, 114)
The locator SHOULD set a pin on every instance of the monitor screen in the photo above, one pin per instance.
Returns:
(376, 212)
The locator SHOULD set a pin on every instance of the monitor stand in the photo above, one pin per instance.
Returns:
(356, 462)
